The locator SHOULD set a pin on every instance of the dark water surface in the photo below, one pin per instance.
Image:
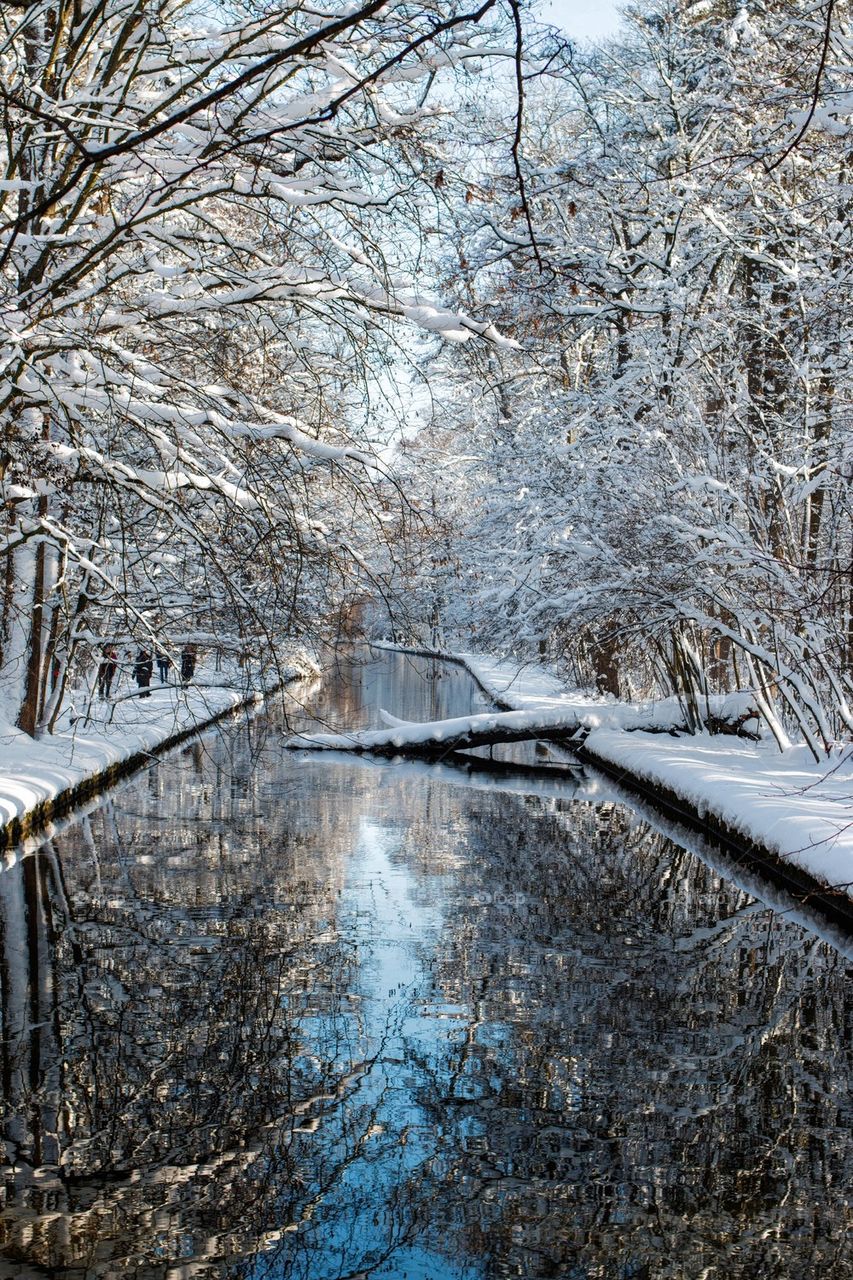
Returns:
(266, 1016)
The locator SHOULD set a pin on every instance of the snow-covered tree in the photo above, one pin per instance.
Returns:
(667, 503)
(206, 216)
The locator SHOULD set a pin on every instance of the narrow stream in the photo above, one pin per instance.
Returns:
(268, 1016)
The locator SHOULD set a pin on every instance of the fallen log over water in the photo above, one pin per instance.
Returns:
(437, 739)
(567, 725)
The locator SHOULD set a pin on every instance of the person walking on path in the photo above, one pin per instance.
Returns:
(107, 670)
(143, 670)
(188, 654)
(164, 662)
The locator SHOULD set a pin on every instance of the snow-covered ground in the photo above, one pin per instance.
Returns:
(797, 809)
(92, 738)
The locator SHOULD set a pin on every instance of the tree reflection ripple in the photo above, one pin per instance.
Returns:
(265, 1017)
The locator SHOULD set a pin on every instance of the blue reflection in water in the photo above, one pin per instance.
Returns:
(399, 1021)
(334, 1020)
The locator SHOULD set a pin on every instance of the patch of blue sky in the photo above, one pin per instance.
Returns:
(581, 20)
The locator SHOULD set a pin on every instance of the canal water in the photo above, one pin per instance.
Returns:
(271, 1016)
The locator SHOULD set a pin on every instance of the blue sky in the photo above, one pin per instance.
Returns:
(582, 19)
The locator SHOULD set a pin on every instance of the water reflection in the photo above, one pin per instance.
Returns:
(277, 1018)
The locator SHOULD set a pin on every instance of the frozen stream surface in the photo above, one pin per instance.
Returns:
(321, 1018)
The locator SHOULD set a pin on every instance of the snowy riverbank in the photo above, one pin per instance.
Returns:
(784, 809)
(798, 810)
(93, 746)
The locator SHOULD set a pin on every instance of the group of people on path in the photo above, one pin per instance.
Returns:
(143, 667)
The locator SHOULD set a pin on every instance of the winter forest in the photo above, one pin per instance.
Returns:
(412, 318)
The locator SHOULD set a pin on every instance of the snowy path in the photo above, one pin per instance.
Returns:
(38, 777)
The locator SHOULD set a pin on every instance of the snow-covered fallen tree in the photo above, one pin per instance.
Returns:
(442, 737)
(569, 723)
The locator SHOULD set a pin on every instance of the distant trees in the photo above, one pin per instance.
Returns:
(206, 217)
(665, 486)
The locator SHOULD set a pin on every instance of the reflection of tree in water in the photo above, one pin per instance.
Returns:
(652, 1077)
(160, 984)
(608, 1063)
